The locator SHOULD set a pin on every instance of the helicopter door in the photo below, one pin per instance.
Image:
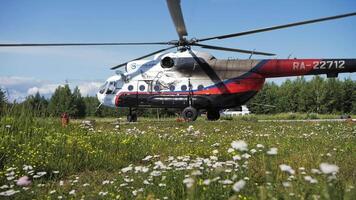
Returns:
(143, 90)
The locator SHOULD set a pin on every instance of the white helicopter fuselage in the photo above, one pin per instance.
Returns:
(190, 78)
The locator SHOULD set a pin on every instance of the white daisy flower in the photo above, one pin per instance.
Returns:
(239, 185)
(327, 168)
(239, 145)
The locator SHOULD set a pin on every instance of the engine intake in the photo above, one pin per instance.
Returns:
(167, 62)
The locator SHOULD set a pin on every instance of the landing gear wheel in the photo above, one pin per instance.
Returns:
(132, 117)
(190, 114)
(213, 115)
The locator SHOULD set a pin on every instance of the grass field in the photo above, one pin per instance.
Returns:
(228, 159)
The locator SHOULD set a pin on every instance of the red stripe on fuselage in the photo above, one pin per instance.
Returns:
(290, 67)
(252, 82)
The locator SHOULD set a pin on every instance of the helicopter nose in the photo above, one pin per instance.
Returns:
(100, 97)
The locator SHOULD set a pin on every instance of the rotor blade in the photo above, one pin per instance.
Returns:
(233, 50)
(278, 27)
(176, 13)
(83, 44)
(142, 57)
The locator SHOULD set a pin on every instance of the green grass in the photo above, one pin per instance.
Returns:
(97, 155)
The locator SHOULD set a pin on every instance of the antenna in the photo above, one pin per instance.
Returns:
(253, 51)
(289, 56)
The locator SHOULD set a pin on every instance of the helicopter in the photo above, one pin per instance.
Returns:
(195, 81)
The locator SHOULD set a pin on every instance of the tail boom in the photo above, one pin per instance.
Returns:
(299, 67)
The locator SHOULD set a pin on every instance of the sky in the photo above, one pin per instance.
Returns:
(26, 70)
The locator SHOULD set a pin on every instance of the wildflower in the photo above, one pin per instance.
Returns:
(206, 181)
(147, 158)
(196, 173)
(155, 173)
(103, 193)
(253, 151)
(286, 168)
(272, 151)
(286, 184)
(190, 129)
(239, 145)
(126, 169)
(55, 172)
(8, 193)
(10, 169)
(86, 184)
(61, 183)
(310, 179)
(239, 185)
(327, 168)
(315, 171)
(188, 182)
(215, 145)
(72, 192)
(23, 181)
(52, 192)
(27, 167)
(230, 150)
(4, 187)
(39, 174)
(260, 146)
(215, 151)
(236, 157)
(105, 182)
(226, 182)
(7, 126)
(246, 155)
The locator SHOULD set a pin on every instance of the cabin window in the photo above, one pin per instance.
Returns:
(184, 88)
(142, 88)
(200, 87)
(156, 88)
(172, 88)
(130, 88)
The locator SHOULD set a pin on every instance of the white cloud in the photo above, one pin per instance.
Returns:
(89, 88)
(18, 88)
(46, 89)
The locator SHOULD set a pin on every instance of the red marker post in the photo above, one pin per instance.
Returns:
(65, 119)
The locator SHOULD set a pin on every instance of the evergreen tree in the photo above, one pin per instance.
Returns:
(36, 104)
(353, 111)
(91, 104)
(348, 92)
(61, 101)
(78, 103)
(3, 102)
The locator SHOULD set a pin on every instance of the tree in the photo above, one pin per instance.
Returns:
(348, 92)
(37, 105)
(78, 103)
(3, 101)
(61, 101)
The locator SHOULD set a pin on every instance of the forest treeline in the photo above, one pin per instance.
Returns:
(319, 95)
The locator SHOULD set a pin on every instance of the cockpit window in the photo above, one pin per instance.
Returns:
(103, 87)
(111, 87)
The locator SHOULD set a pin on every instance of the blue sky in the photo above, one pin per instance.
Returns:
(25, 70)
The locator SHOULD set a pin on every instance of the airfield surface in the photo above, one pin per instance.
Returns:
(176, 160)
